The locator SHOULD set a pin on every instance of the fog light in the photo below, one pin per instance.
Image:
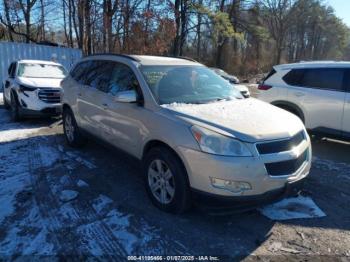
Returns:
(233, 186)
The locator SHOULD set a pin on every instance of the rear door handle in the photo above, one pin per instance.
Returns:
(105, 106)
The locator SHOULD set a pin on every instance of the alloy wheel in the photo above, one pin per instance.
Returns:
(161, 181)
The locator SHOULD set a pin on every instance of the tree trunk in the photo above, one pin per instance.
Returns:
(176, 47)
(8, 20)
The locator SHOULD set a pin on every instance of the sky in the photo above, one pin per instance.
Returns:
(342, 9)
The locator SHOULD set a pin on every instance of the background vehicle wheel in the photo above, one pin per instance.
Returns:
(166, 180)
(15, 114)
(6, 103)
(71, 130)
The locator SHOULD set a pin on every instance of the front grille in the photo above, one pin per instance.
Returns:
(281, 145)
(50, 95)
(286, 167)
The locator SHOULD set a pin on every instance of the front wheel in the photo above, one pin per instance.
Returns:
(6, 103)
(72, 133)
(15, 114)
(166, 180)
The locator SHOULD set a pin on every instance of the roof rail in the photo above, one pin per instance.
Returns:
(113, 54)
(183, 57)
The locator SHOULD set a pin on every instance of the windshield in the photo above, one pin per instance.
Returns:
(41, 71)
(187, 84)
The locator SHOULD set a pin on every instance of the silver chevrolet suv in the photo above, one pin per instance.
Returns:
(195, 134)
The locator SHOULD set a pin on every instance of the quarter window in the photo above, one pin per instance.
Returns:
(293, 77)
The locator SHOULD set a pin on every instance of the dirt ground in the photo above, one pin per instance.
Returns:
(90, 203)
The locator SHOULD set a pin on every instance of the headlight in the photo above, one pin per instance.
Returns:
(23, 88)
(215, 143)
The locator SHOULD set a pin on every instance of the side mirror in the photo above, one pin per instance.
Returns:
(128, 96)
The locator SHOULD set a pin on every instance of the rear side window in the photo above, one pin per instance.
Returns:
(293, 77)
(323, 78)
(110, 77)
(79, 72)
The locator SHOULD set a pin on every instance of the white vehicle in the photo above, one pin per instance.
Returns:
(243, 90)
(196, 135)
(233, 80)
(33, 88)
(317, 92)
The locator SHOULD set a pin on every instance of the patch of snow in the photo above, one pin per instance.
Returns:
(80, 160)
(68, 212)
(329, 165)
(48, 155)
(119, 224)
(90, 245)
(292, 208)
(68, 195)
(39, 245)
(82, 183)
(101, 203)
(1, 98)
(16, 134)
(10, 187)
(65, 180)
(27, 236)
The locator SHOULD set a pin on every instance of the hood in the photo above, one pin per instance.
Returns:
(40, 82)
(249, 120)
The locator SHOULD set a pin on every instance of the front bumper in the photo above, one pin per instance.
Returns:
(48, 111)
(31, 105)
(214, 202)
(201, 167)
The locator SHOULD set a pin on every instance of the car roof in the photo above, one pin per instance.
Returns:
(164, 60)
(150, 60)
(314, 64)
(27, 61)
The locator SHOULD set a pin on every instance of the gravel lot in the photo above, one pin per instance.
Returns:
(58, 201)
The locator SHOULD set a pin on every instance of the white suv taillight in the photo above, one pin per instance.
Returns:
(264, 87)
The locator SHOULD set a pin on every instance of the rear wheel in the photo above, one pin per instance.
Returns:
(72, 133)
(15, 114)
(166, 180)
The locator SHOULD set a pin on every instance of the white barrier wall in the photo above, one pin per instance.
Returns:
(11, 51)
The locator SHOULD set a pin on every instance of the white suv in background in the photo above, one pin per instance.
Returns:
(33, 88)
(317, 92)
(196, 135)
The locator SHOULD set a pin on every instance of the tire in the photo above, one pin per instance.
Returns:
(15, 114)
(6, 103)
(72, 133)
(175, 182)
